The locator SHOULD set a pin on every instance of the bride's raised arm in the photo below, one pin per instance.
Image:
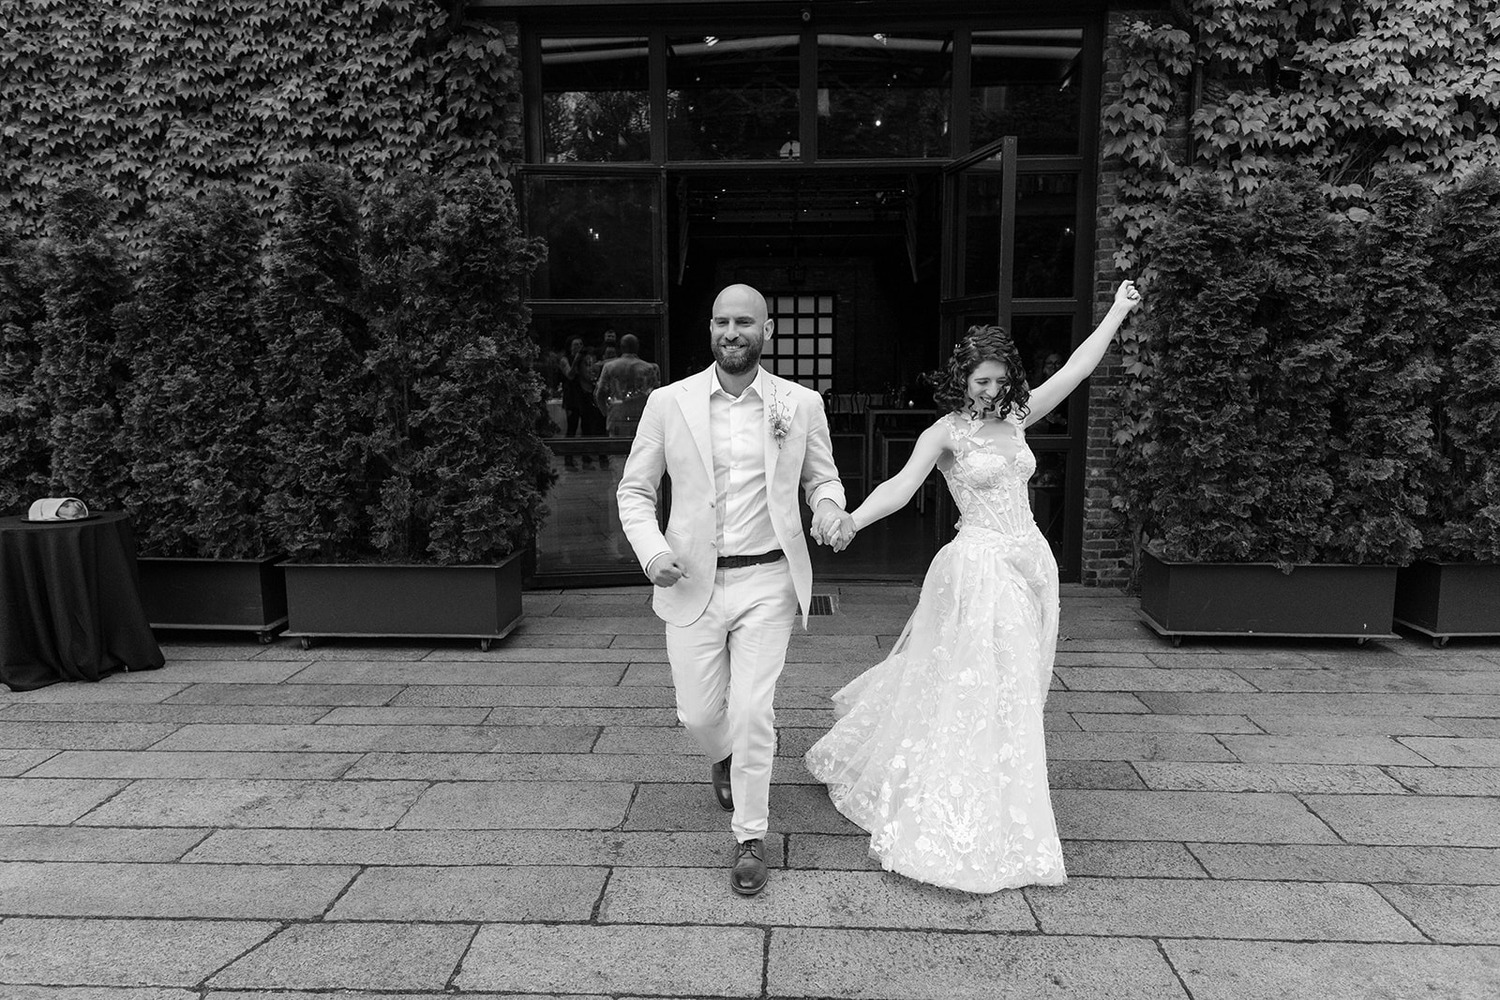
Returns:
(893, 494)
(1050, 394)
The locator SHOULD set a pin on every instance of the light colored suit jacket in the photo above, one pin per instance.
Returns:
(674, 438)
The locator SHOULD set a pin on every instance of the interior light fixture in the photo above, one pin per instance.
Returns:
(710, 40)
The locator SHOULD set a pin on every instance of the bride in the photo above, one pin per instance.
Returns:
(938, 750)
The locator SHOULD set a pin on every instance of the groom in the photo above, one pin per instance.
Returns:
(732, 570)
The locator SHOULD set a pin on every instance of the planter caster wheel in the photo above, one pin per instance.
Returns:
(1176, 641)
(1440, 641)
(1361, 640)
(307, 642)
(484, 645)
(264, 638)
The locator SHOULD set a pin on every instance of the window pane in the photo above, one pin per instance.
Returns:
(1046, 209)
(983, 194)
(884, 95)
(595, 99)
(732, 98)
(1045, 343)
(1025, 83)
(599, 236)
(1048, 495)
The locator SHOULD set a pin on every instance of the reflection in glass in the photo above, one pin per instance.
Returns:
(732, 98)
(599, 236)
(612, 385)
(884, 95)
(582, 534)
(595, 100)
(1046, 211)
(1047, 492)
(1025, 83)
(1045, 343)
(983, 194)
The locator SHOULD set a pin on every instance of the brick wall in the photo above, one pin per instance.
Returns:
(1108, 559)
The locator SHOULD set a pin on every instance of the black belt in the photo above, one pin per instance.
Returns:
(736, 562)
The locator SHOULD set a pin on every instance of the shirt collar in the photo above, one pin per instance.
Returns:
(757, 385)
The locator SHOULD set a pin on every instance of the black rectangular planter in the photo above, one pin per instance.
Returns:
(378, 600)
(1249, 599)
(214, 594)
(1448, 599)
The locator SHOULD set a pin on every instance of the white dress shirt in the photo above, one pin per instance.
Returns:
(737, 428)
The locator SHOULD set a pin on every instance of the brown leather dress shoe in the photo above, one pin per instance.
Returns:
(748, 876)
(720, 774)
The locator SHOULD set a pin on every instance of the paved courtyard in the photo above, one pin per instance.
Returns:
(1242, 820)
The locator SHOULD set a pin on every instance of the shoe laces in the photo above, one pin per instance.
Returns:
(751, 847)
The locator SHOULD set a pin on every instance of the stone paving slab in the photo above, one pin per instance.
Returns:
(230, 802)
(51, 801)
(1351, 863)
(537, 767)
(286, 694)
(1207, 777)
(13, 992)
(473, 894)
(121, 952)
(1227, 659)
(179, 714)
(1382, 679)
(408, 716)
(1450, 914)
(182, 651)
(496, 805)
(1471, 727)
(1253, 970)
(1222, 817)
(805, 899)
(82, 735)
(245, 892)
(1124, 722)
(14, 762)
(401, 956)
(1448, 780)
(365, 649)
(582, 715)
(1211, 703)
(1157, 908)
(362, 738)
(925, 966)
(794, 809)
(1150, 679)
(1456, 752)
(563, 665)
(1322, 750)
(1428, 819)
(84, 843)
(195, 764)
(194, 671)
(107, 691)
(1352, 725)
(1135, 746)
(659, 961)
(475, 847)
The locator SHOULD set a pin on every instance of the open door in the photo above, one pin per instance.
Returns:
(979, 201)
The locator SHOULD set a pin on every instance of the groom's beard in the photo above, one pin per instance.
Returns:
(740, 362)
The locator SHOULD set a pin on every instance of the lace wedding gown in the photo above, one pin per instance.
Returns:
(938, 749)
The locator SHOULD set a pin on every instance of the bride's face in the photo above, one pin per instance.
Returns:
(986, 386)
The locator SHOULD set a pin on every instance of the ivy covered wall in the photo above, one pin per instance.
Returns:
(1235, 89)
(151, 99)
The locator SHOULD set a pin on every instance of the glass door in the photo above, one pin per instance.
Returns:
(599, 318)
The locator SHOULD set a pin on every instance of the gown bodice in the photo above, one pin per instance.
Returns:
(989, 486)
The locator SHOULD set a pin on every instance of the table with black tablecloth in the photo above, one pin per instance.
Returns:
(70, 605)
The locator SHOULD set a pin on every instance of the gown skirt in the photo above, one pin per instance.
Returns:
(938, 751)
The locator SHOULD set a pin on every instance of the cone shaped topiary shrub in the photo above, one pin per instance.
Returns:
(460, 470)
(193, 420)
(81, 369)
(23, 411)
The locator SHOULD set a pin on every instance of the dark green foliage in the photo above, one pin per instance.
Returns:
(1465, 521)
(319, 411)
(461, 469)
(81, 368)
(23, 412)
(193, 416)
(1386, 457)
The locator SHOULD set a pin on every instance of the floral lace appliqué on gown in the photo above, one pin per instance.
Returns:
(938, 750)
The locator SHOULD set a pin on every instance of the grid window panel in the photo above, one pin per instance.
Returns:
(801, 346)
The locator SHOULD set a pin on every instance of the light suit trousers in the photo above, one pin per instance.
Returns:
(724, 669)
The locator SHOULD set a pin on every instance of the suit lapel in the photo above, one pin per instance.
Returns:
(693, 401)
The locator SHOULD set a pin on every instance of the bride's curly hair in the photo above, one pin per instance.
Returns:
(981, 344)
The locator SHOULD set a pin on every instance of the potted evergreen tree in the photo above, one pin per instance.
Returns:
(1454, 587)
(408, 475)
(193, 424)
(23, 451)
(1245, 476)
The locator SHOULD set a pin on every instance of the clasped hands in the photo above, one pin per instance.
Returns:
(832, 526)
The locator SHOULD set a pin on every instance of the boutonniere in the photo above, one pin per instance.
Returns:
(780, 416)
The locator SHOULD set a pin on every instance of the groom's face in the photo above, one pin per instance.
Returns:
(737, 330)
